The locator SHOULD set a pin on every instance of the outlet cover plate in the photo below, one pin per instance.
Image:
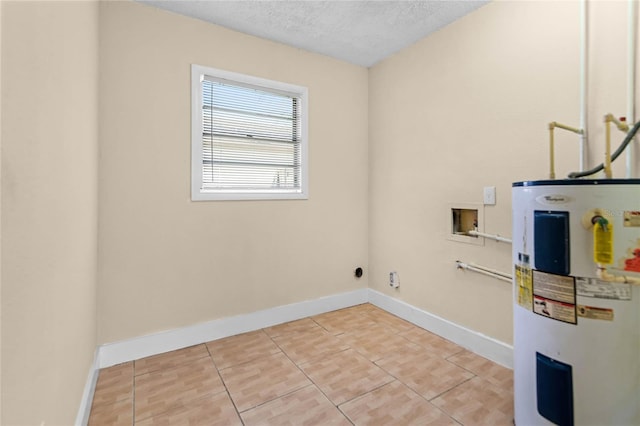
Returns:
(489, 195)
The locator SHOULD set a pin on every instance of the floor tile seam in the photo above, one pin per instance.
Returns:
(277, 397)
(317, 385)
(253, 359)
(451, 416)
(463, 350)
(359, 336)
(171, 407)
(365, 355)
(324, 328)
(249, 350)
(426, 347)
(479, 375)
(235, 407)
(299, 367)
(416, 391)
(323, 393)
(104, 381)
(418, 354)
(311, 383)
(99, 407)
(418, 394)
(449, 390)
(393, 379)
(110, 370)
(169, 367)
(287, 336)
(213, 361)
(177, 377)
(288, 392)
(319, 325)
(455, 353)
(463, 367)
(389, 327)
(489, 382)
(344, 414)
(112, 387)
(318, 357)
(113, 402)
(213, 342)
(224, 384)
(282, 349)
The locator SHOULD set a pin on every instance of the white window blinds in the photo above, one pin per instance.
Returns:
(248, 137)
(251, 138)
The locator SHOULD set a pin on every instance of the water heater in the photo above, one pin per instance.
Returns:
(576, 255)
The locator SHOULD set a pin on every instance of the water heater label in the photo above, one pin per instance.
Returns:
(553, 309)
(593, 287)
(524, 283)
(556, 287)
(603, 242)
(553, 199)
(596, 313)
(632, 219)
(554, 296)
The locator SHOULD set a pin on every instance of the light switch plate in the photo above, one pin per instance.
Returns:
(489, 195)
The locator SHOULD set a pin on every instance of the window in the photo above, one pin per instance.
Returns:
(249, 137)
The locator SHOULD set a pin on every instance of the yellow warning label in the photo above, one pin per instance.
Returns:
(603, 243)
(524, 283)
(593, 312)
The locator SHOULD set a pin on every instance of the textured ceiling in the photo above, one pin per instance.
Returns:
(361, 32)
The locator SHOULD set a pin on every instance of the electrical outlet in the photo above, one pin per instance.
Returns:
(394, 282)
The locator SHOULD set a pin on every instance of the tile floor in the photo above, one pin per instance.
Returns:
(354, 366)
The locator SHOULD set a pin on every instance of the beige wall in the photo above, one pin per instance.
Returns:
(391, 148)
(468, 107)
(608, 39)
(49, 208)
(167, 262)
(0, 212)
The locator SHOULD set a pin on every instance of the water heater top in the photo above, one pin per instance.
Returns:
(574, 182)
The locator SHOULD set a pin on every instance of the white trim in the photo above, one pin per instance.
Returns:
(165, 341)
(82, 418)
(200, 73)
(140, 347)
(488, 347)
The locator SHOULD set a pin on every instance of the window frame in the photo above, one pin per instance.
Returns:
(198, 193)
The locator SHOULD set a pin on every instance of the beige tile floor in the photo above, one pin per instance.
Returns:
(354, 366)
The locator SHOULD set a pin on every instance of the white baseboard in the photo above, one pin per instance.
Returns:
(82, 418)
(140, 347)
(153, 344)
(488, 347)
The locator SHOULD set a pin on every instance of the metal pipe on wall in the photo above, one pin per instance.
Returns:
(490, 236)
(632, 31)
(584, 43)
(484, 271)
